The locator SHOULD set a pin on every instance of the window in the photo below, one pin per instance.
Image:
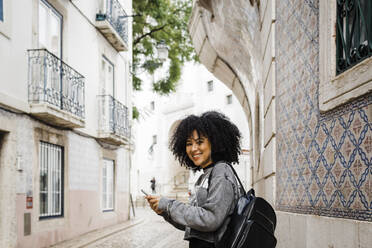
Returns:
(152, 105)
(345, 61)
(210, 85)
(51, 180)
(107, 77)
(354, 33)
(6, 18)
(108, 185)
(229, 99)
(1, 11)
(50, 28)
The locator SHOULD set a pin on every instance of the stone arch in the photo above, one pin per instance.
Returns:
(208, 34)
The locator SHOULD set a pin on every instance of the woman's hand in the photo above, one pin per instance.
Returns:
(154, 203)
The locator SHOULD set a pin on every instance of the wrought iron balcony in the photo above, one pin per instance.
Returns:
(55, 90)
(113, 23)
(113, 121)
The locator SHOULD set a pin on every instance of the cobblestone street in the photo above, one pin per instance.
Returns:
(153, 232)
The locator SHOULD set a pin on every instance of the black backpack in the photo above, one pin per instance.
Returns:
(252, 223)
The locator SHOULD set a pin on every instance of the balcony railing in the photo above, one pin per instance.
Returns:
(52, 81)
(116, 16)
(113, 120)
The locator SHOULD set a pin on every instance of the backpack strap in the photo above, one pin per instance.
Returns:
(236, 176)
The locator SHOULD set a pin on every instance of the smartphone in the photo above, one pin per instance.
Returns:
(144, 192)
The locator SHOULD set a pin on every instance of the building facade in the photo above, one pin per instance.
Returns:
(302, 70)
(65, 114)
(198, 91)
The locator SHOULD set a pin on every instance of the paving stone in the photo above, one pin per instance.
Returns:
(152, 232)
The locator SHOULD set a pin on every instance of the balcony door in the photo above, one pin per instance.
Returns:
(106, 6)
(50, 28)
(107, 92)
(107, 77)
(50, 35)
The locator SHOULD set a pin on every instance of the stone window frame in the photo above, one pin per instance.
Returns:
(335, 90)
(56, 137)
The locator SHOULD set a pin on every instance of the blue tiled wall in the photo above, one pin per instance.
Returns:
(323, 160)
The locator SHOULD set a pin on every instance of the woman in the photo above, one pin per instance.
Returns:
(208, 142)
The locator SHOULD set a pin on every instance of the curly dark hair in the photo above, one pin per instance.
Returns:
(223, 135)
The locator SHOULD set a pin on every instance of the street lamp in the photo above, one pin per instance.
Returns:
(162, 50)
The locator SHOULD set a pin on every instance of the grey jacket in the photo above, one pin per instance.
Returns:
(207, 215)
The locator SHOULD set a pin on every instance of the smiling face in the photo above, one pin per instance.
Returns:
(198, 150)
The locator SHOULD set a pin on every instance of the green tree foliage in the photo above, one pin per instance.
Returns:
(135, 113)
(155, 21)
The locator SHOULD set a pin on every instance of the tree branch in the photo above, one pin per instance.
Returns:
(147, 34)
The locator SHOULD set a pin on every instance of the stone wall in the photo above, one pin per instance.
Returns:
(323, 159)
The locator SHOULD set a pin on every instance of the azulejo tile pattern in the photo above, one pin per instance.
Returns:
(323, 160)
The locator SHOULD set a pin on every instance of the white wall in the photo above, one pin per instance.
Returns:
(82, 47)
(15, 39)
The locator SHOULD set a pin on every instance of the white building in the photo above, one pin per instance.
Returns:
(198, 91)
(65, 112)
